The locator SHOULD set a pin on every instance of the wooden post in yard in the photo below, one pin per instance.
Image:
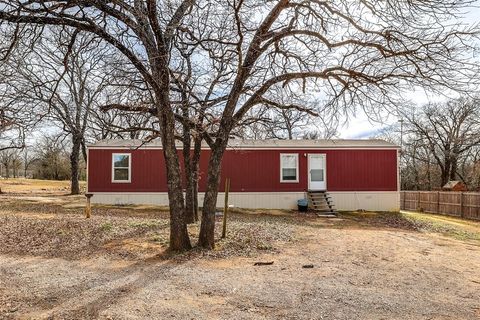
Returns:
(88, 208)
(225, 208)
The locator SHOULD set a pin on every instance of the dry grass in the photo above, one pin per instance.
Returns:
(452, 227)
(26, 186)
(53, 227)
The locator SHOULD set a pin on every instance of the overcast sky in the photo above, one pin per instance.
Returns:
(359, 126)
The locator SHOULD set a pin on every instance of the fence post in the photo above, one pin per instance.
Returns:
(477, 206)
(461, 204)
(438, 202)
(418, 201)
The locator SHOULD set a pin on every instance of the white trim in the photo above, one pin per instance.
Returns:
(86, 171)
(399, 159)
(244, 192)
(279, 148)
(345, 200)
(296, 167)
(129, 167)
(324, 169)
(300, 144)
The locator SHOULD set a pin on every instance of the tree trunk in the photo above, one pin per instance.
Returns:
(179, 239)
(189, 190)
(191, 168)
(445, 172)
(75, 165)
(84, 150)
(206, 238)
(197, 151)
(453, 169)
(195, 197)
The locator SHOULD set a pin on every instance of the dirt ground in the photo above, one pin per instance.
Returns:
(55, 264)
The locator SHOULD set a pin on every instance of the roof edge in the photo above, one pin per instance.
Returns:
(257, 144)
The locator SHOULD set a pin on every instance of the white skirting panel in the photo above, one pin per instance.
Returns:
(371, 201)
(374, 200)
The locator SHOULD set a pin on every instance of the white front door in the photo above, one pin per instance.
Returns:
(317, 175)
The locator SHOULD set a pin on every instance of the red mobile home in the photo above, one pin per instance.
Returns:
(358, 174)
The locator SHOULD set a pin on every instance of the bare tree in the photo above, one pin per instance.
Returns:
(297, 47)
(14, 120)
(12, 132)
(53, 158)
(126, 88)
(29, 158)
(61, 81)
(351, 52)
(444, 133)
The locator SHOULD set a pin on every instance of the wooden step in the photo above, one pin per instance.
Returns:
(321, 200)
(322, 203)
(325, 208)
(320, 196)
(327, 215)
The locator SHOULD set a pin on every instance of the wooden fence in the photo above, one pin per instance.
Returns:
(458, 204)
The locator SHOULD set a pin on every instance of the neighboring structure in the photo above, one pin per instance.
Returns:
(358, 174)
(454, 185)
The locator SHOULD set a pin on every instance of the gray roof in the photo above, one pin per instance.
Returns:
(261, 144)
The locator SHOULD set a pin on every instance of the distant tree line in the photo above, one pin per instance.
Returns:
(48, 159)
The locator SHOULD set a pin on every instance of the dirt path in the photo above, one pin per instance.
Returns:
(362, 274)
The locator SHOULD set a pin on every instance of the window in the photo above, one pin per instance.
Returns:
(289, 167)
(121, 167)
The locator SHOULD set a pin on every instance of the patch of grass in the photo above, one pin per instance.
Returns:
(106, 227)
(377, 220)
(145, 224)
(445, 227)
(160, 239)
(33, 185)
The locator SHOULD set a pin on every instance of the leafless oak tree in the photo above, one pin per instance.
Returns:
(61, 81)
(442, 135)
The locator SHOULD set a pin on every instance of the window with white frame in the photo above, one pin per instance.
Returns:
(289, 167)
(121, 167)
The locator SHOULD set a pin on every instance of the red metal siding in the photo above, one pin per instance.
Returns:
(148, 171)
(253, 170)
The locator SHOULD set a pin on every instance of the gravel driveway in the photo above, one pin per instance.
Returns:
(360, 271)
